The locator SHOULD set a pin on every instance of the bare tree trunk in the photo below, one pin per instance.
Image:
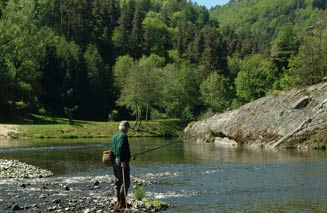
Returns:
(69, 114)
(146, 113)
(137, 123)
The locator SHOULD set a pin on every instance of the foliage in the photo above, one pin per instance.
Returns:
(154, 34)
(214, 55)
(21, 54)
(310, 65)
(154, 59)
(260, 21)
(158, 205)
(179, 98)
(319, 146)
(100, 82)
(215, 91)
(139, 192)
(285, 46)
(140, 83)
(254, 79)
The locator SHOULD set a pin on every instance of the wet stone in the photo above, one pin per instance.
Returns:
(35, 206)
(66, 187)
(57, 201)
(23, 185)
(42, 196)
(52, 195)
(96, 187)
(16, 207)
(53, 208)
(17, 169)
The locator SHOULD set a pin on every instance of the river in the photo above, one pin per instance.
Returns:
(195, 177)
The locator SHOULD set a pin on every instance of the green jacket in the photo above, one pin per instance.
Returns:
(120, 146)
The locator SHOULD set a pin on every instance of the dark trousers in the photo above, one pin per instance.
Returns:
(119, 176)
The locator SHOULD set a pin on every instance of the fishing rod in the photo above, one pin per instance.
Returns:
(150, 150)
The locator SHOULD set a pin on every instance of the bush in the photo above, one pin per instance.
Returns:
(42, 111)
(209, 113)
(158, 205)
(155, 115)
(113, 115)
(139, 192)
(319, 146)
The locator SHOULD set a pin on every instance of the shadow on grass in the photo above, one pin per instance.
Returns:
(32, 119)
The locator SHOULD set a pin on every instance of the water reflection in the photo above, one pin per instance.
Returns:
(80, 155)
(211, 152)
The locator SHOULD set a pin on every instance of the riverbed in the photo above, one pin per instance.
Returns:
(192, 177)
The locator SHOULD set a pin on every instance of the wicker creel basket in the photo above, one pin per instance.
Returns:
(107, 158)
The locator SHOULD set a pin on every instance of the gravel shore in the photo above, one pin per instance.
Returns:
(30, 189)
(16, 169)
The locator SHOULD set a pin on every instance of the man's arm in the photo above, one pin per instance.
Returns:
(125, 152)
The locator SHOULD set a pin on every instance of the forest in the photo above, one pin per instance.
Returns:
(155, 59)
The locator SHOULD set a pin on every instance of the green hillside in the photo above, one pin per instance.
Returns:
(261, 20)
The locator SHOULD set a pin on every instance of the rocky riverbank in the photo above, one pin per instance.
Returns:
(28, 190)
(16, 169)
(296, 118)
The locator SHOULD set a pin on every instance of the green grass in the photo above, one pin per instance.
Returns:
(157, 204)
(53, 127)
(139, 192)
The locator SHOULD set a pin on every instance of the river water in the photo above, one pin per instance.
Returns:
(195, 177)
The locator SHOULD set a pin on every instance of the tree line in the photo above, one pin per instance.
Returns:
(152, 59)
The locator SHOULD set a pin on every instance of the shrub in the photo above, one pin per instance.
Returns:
(139, 192)
(320, 146)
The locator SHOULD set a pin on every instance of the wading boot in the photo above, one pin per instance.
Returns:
(122, 200)
(117, 205)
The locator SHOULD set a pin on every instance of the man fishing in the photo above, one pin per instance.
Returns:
(122, 156)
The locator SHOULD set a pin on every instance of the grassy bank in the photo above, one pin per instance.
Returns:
(50, 127)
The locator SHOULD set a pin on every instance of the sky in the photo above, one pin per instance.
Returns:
(210, 3)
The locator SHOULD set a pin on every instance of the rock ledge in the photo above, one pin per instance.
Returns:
(297, 118)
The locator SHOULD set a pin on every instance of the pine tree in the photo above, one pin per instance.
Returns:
(214, 56)
(105, 13)
(285, 46)
(136, 36)
(124, 28)
(197, 48)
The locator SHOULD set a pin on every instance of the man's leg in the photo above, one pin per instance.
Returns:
(126, 187)
(118, 182)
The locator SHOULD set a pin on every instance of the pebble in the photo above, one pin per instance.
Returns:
(16, 207)
(35, 206)
(42, 196)
(17, 169)
(96, 187)
(66, 187)
(56, 201)
(54, 194)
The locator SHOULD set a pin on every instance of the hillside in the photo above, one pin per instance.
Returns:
(261, 20)
(94, 60)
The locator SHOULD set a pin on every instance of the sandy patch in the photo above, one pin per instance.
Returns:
(6, 128)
